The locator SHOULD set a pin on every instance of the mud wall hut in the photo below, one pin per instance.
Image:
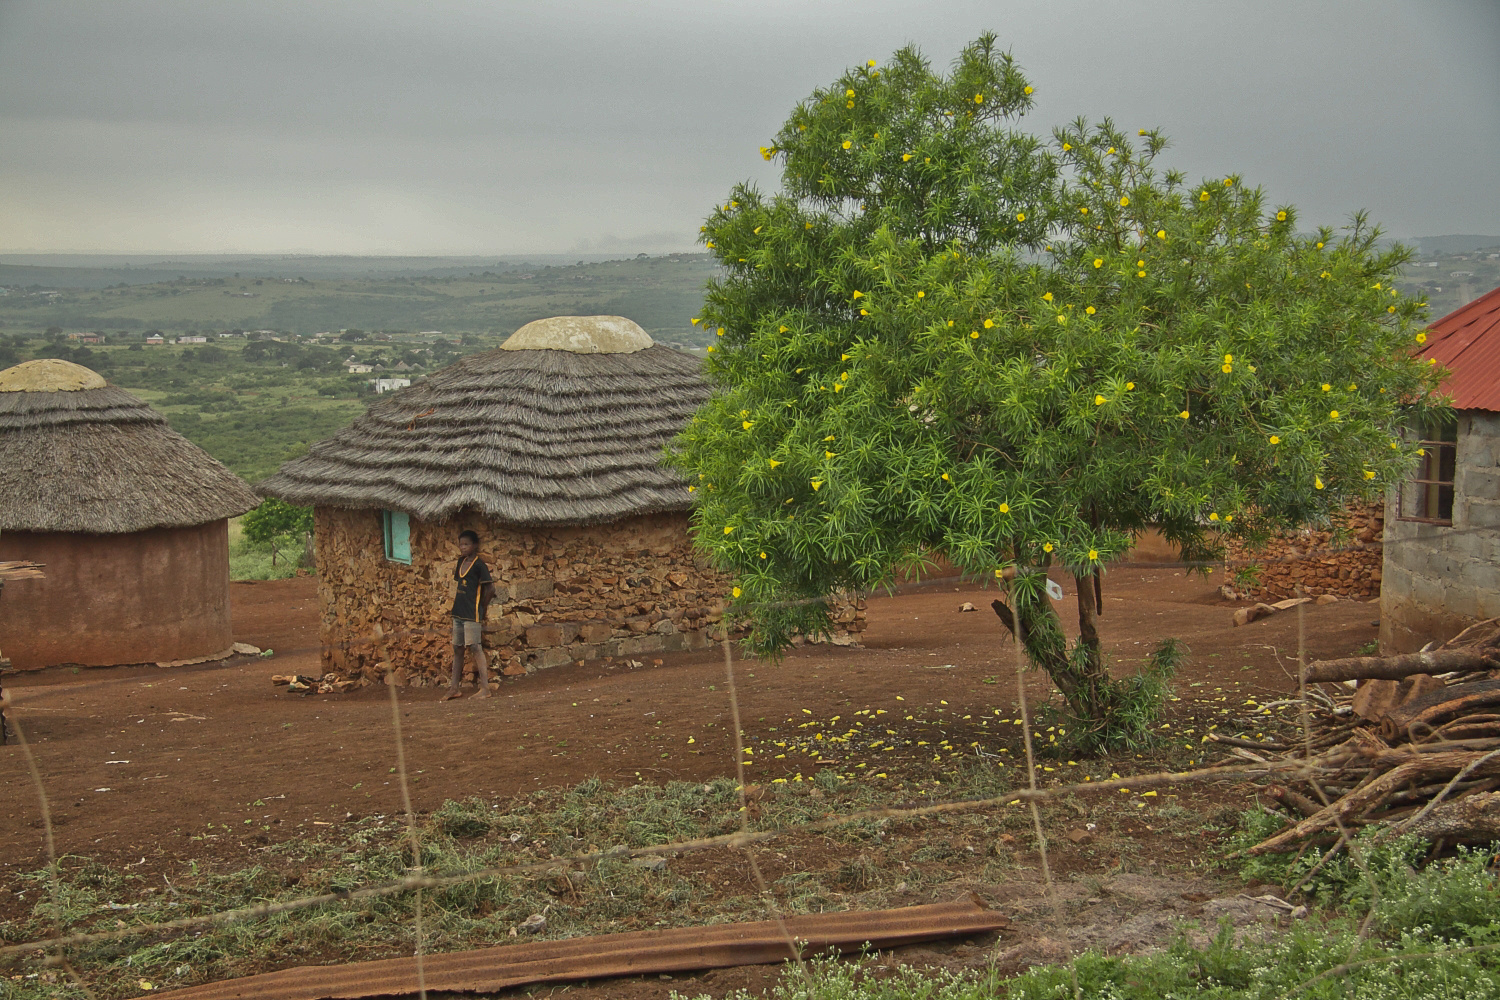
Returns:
(549, 447)
(129, 518)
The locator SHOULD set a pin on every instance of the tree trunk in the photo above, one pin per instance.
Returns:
(1081, 677)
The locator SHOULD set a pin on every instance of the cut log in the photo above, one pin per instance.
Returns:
(1394, 668)
(1378, 698)
(1471, 819)
(1436, 707)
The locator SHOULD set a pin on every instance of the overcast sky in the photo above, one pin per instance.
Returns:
(492, 127)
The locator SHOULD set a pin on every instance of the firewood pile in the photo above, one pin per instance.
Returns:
(1411, 742)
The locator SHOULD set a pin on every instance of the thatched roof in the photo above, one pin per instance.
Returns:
(78, 454)
(565, 434)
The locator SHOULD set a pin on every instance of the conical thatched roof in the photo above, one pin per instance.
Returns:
(78, 454)
(563, 424)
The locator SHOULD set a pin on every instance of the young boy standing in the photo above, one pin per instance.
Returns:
(476, 590)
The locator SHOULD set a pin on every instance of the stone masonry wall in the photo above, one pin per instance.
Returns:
(1303, 557)
(1439, 579)
(629, 588)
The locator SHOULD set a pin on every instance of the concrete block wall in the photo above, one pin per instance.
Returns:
(1439, 579)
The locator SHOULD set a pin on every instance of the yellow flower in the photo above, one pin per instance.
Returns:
(1063, 320)
(1027, 90)
(1047, 547)
(773, 462)
(1369, 474)
(905, 157)
(1333, 414)
(978, 98)
(828, 454)
(736, 592)
(1390, 309)
(694, 321)
(830, 438)
(1140, 263)
(1124, 201)
(1275, 439)
(1067, 146)
(1377, 286)
(1228, 181)
(1214, 516)
(1098, 400)
(871, 64)
(1084, 210)
(989, 323)
(849, 93)
(1005, 508)
(858, 294)
(1129, 386)
(1203, 196)
(1228, 358)
(945, 477)
(719, 331)
(1394, 446)
(1421, 451)
(1320, 246)
(710, 348)
(728, 529)
(817, 484)
(1020, 216)
(747, 424)
(1318, 482)
(864, 312)
(1184, 414)
(1281, 216)
(1046, 296)
(921, 295)
(1109, 151)
(692, 489)
(807, 225)
(847, 143)
(762, 555)
(1326, 387)
(1325, 274)
(1140, 274)
(1098, 261)
(973, 334)
(765, 152)
(1161, 234)
(1090, 310)
(1093, 553)
(1228, 518)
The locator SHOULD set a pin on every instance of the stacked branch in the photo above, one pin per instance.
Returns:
(1415, 745)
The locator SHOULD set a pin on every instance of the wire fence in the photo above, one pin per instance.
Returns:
(55, 948)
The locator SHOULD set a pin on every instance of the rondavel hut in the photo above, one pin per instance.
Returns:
(550, 448)
(129, 518)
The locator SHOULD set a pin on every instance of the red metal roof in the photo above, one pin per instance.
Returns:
(1467, 343)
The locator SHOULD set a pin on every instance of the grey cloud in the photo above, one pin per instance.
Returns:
(506, 127)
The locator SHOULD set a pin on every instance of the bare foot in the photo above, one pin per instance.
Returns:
(452, 693)
(483, 692)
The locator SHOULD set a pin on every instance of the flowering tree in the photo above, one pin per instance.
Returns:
(947, 336)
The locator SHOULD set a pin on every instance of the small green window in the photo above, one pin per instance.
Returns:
(397, 536)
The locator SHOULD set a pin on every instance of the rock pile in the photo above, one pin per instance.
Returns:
(1304, 558)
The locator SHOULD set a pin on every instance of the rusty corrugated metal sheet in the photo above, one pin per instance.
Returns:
(645, 952)
(1467, 343)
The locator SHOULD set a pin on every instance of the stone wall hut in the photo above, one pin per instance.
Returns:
(550, 448)
(1442, 526)
(129, 518)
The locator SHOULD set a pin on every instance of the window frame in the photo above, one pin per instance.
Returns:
(1434, 449)
(389, 519)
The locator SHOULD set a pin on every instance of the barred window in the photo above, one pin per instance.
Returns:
(1428, 495)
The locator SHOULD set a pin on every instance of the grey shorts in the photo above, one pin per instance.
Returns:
(467, 633)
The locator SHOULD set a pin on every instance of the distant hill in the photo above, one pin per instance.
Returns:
(1455, 244)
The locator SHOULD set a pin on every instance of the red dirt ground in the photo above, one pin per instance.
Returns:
(136, 760)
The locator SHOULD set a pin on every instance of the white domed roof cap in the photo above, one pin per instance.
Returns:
(49, 375)
(580, 335)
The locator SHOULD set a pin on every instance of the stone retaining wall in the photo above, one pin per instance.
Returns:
(1303, 557)
(630, 588)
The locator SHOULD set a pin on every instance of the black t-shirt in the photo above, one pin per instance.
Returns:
(471, 577)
